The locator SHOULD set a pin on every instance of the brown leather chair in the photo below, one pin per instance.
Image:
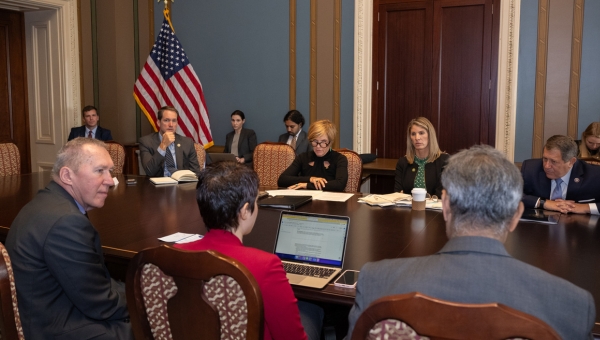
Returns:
(10, 321)
(415, 315)
(354, 170)
(591, 160)
(117, 153)
(201, 154)
(178, 294)
(270, 161)
(10, 160)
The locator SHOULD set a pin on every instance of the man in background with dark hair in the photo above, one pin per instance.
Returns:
(90, 129)
(63, 286)
(559, 181)
(295, 136)
(481, 204)
(165, 151)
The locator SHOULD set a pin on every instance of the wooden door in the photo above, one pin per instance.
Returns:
(14, 122)
(437, 59)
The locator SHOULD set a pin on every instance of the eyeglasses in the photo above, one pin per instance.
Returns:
(315, 142)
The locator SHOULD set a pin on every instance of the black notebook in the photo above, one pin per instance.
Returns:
(284, 202)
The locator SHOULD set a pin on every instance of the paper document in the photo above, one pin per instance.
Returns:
(180, 238)
(316, 194)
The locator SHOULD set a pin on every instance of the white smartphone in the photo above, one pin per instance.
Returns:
(347, 279)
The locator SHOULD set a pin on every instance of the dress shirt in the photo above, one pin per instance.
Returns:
(171, 148)
(290, 138)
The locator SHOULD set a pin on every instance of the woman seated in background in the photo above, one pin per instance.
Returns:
(240, 142)
(423, 164)
(589, 145)
(226, 195)
(320, 169)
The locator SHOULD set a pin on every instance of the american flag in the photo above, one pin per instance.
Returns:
(168, 78)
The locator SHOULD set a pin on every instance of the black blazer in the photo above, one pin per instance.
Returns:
(583, 187)
(63, 286)
(406, 173)
(302, 144)
(246, 144)
(101, 133)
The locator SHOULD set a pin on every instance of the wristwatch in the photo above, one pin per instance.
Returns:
(542, 202)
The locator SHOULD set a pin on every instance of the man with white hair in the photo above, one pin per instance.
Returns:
(481, 204)
(63, 286)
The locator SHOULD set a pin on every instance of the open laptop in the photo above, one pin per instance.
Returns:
(220, 157)
(311, 247)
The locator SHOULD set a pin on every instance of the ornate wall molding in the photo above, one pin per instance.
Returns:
(363, 74)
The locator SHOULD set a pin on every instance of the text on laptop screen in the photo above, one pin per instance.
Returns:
(312, 239)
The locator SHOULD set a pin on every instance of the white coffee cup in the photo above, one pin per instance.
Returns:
(419, 194)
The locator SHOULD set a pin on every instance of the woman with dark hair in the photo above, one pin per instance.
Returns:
(240, 142)
(424, 161)
(226, 194)
(589, 145)
(320, 169)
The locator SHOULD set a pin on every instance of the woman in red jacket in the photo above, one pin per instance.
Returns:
(226, 195)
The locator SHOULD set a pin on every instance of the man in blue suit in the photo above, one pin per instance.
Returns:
(91, 129)
(559, 181)
(481, 204)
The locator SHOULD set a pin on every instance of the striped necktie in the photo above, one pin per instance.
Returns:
(169, 161)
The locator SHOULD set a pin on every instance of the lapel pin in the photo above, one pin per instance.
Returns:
(413, 170)
(178, 145)
(576, 180)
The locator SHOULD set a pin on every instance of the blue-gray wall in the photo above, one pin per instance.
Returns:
(239, 50)
(589, 97)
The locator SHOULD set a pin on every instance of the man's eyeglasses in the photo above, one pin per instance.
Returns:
(315, 142)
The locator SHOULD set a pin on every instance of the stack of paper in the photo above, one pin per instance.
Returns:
(316, 194)
(385, 200)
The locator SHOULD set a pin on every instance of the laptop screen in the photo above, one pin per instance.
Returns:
(313, 238)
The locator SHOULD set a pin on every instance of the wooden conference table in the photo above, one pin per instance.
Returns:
(133, 217)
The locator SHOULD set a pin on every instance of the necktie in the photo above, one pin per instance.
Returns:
(557, 193)
(170, 162)
(90, 134)
(293, 143)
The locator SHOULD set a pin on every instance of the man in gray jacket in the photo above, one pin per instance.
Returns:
(481, 204)
(63, 286)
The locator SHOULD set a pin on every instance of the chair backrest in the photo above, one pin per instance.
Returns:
(177, 294)
(10, 160)
(141, 171)
(354, 169)
(591, 160)
(270, 160)
(10, 321)
(117, 153)
(415, 316)
(201, 154)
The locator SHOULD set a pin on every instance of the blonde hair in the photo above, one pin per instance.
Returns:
(593, 130)
(322, 128)
(434, 149)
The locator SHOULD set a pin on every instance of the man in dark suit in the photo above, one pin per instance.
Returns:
(481, 205)
(63, 287)
(91, 129)
(559, 181)
(295, 136)
(165, 152)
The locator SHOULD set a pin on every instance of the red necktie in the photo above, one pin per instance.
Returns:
(90, 134)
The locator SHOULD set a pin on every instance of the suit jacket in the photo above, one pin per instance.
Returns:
(282, 318)
(246, 144)
(308, 165)
(584, 183)
(473, 269)
(302, 144)
(154, 163)
(406, 173)
(101, 133)
(63, 286)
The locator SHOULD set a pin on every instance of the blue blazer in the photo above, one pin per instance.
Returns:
(101, 133)
(583, 187)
